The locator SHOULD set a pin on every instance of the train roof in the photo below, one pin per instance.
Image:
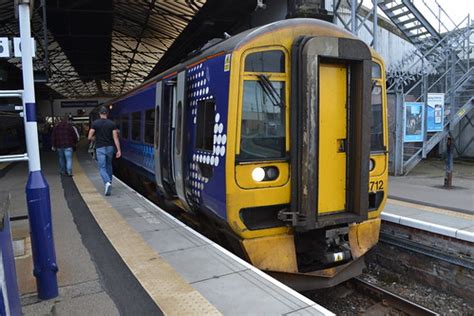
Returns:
(232, 43)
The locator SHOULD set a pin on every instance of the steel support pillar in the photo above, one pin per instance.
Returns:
(375, 22)
(37, 189)
(398, 153)
(354, 17)
(425, 113)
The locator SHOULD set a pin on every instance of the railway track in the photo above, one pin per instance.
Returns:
(388, 303)
(458, 259)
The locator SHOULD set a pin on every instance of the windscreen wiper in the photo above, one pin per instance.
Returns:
(270, 90)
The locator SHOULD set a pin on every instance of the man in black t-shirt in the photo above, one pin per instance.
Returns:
(106, 135)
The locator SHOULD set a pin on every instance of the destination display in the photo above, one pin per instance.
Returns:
(80, 104)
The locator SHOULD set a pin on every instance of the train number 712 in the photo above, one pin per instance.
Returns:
(376, 185)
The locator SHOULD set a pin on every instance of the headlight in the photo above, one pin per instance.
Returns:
(258, 174)
(371, 164)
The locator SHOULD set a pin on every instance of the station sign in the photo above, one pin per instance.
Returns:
(7, 50)
(435, 112)
(80, 104)
(414, 121)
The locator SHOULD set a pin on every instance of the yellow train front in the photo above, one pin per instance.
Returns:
(276, 139)
(307, 170)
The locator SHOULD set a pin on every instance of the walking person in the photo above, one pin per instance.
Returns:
(106, 135)
(63, 139)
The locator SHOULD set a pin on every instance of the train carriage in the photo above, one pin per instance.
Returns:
(276, 139)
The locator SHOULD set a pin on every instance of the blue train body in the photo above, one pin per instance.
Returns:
(205, 81)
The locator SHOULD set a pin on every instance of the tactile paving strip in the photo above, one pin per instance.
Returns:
(431, 209)
(164, 285)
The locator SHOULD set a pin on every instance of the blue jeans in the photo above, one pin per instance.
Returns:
(65, 160)
(104, 161)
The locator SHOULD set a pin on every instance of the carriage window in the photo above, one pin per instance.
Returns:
(376, 130)
(136, 124)
(149, 126)
(205, 124)
(263, 121)
(124, 131)
(267, 61)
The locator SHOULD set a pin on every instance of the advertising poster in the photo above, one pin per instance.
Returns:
(414, 122)
(435, 112)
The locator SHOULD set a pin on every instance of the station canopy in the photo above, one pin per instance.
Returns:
(107, 47)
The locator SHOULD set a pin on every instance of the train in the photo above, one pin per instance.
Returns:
(275, 140)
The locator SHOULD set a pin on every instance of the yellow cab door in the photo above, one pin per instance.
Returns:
(332, 157)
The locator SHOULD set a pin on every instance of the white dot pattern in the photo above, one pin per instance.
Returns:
(199, 90)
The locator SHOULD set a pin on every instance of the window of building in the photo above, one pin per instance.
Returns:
(263, 120)
(205, 124)
(124, 131)
(136, 126)
(266, 61)
(149, 126)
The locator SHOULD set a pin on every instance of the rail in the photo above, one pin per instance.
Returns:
(386, 298)
(465, 262)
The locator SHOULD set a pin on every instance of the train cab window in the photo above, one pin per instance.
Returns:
(376, 71)
(136, 126)
(376, 130)
(205, 124)
(266, 61)
(149, 126)
(263, 120)
(124, 131)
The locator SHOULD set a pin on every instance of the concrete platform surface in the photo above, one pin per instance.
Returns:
(424, 184)
(445, 222)
(77, 276)
(83, 279)
(419, 200)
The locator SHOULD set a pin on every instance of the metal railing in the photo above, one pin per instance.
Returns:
(442, 64)
(19, 157)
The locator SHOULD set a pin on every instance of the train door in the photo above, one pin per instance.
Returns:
(332, 157)
(179, 110)
(330, 131)
(157, 142)
(168, 139)
(164, 139)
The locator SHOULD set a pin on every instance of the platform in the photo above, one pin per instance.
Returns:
(123, 254)
(420, 201)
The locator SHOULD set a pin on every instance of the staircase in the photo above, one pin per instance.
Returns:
(411, 22)
(442, 65)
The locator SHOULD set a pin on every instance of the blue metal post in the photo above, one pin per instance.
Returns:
(37, 189)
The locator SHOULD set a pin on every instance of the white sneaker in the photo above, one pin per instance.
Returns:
(108, 187)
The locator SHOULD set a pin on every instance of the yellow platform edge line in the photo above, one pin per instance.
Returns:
(165, 286)
(431, 209)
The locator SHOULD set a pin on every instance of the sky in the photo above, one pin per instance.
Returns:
(457, 10)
